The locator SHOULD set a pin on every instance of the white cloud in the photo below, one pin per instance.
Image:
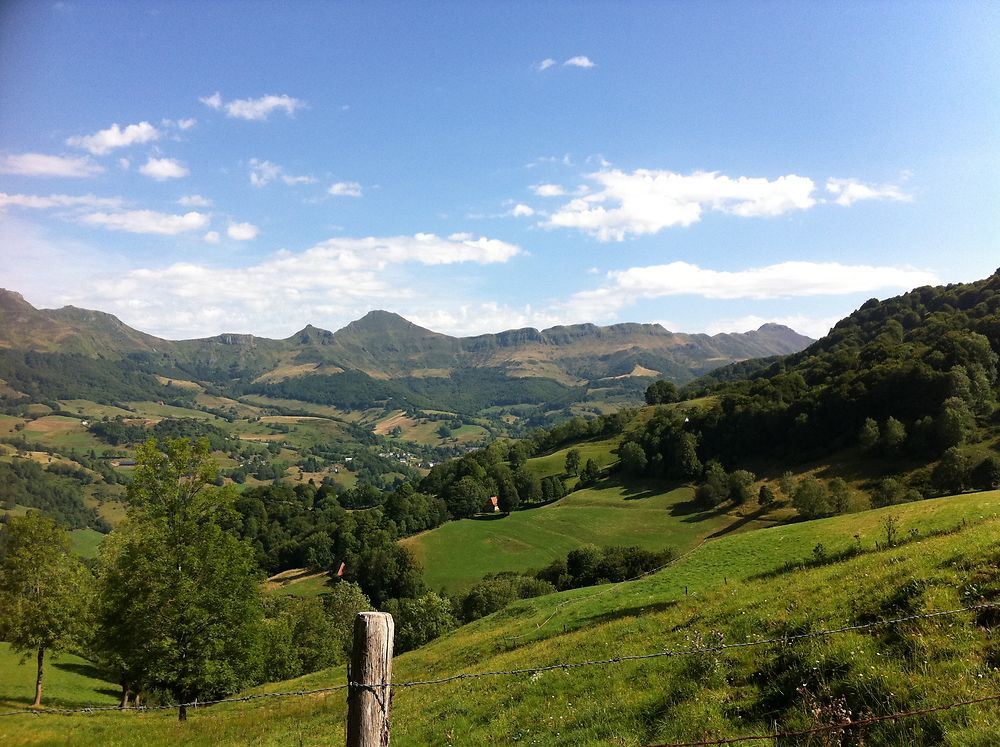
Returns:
(423, 248)
(814, 327)
(40, 164)
(293, 180)
(186, 124)
(194, 201)
(647, 201)
(338, 279)
(212, 102)
(148, 221)
(253, 109)
(522, 211)
(345, 189)
(43, 202)
(579, 61)
(547, 190)
(546, 64)
(103, 142)
(212, 237)
(849, 191)
(242, 231)
(480, 318)
(784, 280)
(263, 173)
(124, 164)
(162, 169)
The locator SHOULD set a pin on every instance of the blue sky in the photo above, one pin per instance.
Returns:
(207, 167)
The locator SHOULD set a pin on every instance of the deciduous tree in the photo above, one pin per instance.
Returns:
(44, 591)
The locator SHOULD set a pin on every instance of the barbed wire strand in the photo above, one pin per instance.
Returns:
(171, 706)
(831, 727)
(604, 590)
(667, 653)
(787, 639)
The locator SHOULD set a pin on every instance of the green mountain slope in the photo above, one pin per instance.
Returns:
(739, 589)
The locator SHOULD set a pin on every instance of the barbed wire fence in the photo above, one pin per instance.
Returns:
(784, 640)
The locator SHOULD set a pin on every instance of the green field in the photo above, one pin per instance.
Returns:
(304, 585)
(69, 682)
(61, 432)
(459, 553)
(741, 691)
(601, 451)
(85, 542)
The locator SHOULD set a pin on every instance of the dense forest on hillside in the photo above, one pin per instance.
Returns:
(53, 376)
(926, 359)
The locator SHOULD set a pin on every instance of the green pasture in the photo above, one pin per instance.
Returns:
(85, 542)
(70, 682)
(601, 451)
(94, 409)
(311, 585)
(459, 553)
(738, 592)
(61, 432)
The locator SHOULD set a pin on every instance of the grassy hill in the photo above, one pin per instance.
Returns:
(459, 553)
(740, 588)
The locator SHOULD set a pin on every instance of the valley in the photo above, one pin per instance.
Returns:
(844, 485)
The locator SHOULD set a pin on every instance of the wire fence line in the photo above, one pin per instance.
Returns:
(668, 653)
(171, 706)
(844, 726)
(564, 666)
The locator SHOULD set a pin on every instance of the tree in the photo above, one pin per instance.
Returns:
(811, 498)
(529, 486)
(951, 473)
(868, 435)
(661, 392)
(420, 620)
(44, 591)
(986, 474)
(591, 473)
(893, 437)
(955, 423)
(632, 457)
(573, 462)
(387, 571)
(741, 486)
(180, 598)
(715, 489)
(765, 497)
(342, 604)
(841, 495)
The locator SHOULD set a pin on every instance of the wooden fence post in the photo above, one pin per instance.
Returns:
(369, 700)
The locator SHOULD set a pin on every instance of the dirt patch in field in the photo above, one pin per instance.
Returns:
(53, 424)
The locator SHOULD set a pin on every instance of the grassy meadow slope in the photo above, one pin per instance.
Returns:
(741, 587)
(459, 553)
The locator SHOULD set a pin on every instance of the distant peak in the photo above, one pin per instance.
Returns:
(379, 320)
(13, 301)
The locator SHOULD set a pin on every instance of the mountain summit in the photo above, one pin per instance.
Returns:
(384, 345)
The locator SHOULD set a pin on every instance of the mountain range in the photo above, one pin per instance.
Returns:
(385, 346)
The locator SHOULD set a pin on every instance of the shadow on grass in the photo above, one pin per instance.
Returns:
(618, 614)
(83, 669)
(490, 517)
(739, 523)
(693, 512)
